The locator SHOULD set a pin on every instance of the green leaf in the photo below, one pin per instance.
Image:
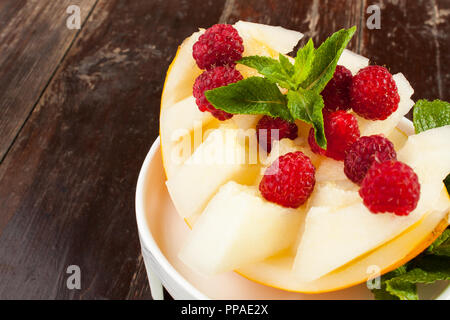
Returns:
(401, 283)
(307, 106)
(287, 66)
(428, 115)
(274, 70)
(253, 95)
(325, 60)
(441, 246)
(303, 62)
(382, 293)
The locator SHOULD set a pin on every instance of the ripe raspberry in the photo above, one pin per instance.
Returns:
(364, 152)
(373, 93)
(220, 45)
(341, 131)
(390, 186)
(336, 94)
(289, 181)
(265, 126)
(211, 79)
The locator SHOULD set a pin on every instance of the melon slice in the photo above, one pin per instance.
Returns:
(259, 37)
(219, 159)
(369, 127)
(181, 73)
(239, 227)
(180, 121)
(332, 195)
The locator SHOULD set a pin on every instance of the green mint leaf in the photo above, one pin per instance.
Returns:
(428, 115)
(287, 66)
(441, 246)
(447, 183)
(254, 95)
(382, 293)
(303, 62)
(307, 105)
(425, 269)
(325, 60)
(402, 282)
(270, 68)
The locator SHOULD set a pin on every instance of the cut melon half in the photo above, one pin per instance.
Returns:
(178, 110)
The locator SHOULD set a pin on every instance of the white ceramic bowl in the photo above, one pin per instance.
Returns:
(161, 233)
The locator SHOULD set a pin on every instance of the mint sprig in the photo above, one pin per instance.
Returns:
(254, 95)
(430, 114)
(304, 80)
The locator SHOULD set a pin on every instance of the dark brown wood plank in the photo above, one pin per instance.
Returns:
(414, 40)
(33, 40)
(67, 185)
(315, 18)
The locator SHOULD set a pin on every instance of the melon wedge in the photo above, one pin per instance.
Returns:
(219, 159)
(238, 227)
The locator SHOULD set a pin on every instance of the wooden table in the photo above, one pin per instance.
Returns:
(79, 110)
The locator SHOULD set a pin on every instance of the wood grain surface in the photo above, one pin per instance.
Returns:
(33, 40)
(79, 111)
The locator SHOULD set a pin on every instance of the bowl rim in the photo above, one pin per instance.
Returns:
(405, 125)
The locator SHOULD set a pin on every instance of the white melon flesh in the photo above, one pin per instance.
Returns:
(219, 159)
(246, 121)
(332, 195)
(330, 170)
(181, 73)
(353, 61)
(259, 36)
(237, 228)
(179, 122)
(370, 127)
(332, 238)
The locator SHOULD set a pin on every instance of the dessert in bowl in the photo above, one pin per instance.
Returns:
(295, 172)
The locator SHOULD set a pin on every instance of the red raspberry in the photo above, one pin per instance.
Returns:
(289, 181)
(364, 152)
(220, 45)
(265, 126)
(373, 93)
(341, 131)
(336, 94)
(211, 79)
(390, 186)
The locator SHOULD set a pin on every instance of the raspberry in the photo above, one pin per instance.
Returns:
(341, 131)
(220, 45)
(265, 126)
(364, 152)
(373, 93)
(336, 94)
(289, 181)
(211, 79)
(390, 186)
